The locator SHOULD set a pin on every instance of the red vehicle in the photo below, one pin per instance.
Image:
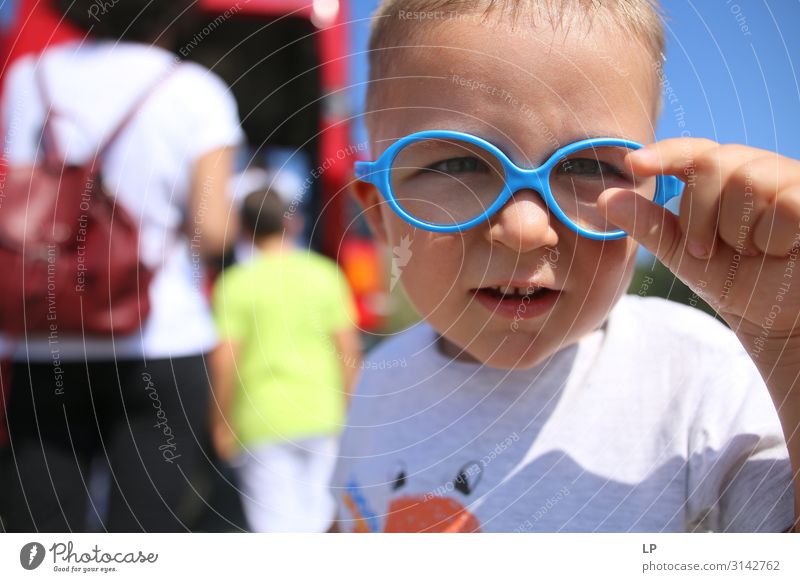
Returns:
(286, 62)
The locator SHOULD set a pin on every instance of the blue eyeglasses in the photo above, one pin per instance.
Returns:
(450, 181)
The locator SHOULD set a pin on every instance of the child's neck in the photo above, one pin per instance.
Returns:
(274, 245)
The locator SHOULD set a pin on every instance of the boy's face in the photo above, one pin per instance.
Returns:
(529, 91)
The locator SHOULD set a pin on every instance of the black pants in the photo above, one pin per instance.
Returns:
(144, 423)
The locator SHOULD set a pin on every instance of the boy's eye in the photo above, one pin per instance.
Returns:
(458, 166)
(589, 168)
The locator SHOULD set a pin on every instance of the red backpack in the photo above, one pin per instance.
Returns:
(68, 252)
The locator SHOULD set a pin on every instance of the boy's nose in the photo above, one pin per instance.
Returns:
(523, 224)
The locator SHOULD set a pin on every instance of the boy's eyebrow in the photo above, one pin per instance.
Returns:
(598, 134)
(509, 148)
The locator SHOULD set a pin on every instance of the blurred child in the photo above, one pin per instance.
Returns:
(281, 374)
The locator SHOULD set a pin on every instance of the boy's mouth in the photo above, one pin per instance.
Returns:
(517, 302)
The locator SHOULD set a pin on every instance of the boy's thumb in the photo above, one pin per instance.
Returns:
(651, 225)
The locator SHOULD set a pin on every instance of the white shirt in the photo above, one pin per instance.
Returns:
(659, 422)
(148, 168)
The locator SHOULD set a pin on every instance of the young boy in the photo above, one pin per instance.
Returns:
(282, 371)
(537, 396)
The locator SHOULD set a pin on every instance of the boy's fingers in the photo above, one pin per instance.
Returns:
(651, 225)
(713, 202)
(777, 231)
(676, 157)
(717, 179)
(691, 160)
(764, 204)
(740, 210)
(699, 215)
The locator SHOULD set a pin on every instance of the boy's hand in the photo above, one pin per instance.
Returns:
(737, 238)
(736, 243)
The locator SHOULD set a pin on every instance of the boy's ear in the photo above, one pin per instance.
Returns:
(371, 200)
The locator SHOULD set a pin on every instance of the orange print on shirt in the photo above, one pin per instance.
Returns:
(432, 514)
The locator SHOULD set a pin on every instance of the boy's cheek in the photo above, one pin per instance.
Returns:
(618, 265)
(420, 248)
(435, 262)
(430, 267)
(606, 269)
(395, 227)
(614, 255)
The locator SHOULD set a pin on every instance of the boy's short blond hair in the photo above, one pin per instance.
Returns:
(396, 22)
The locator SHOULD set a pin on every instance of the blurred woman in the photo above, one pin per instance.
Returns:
(136, 403)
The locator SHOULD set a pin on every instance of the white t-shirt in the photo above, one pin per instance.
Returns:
(657, 422)
(149, 168)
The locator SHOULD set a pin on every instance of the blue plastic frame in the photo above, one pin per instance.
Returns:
(378, 173)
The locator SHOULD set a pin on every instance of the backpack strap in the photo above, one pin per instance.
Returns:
(48, 137)
(50, 143)
(137, 105)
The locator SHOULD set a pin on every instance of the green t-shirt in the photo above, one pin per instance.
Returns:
(282, 311)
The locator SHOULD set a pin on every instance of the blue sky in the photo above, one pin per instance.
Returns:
(732, 67)
(7, 8)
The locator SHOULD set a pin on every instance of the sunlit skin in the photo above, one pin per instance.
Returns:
(541, 91)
